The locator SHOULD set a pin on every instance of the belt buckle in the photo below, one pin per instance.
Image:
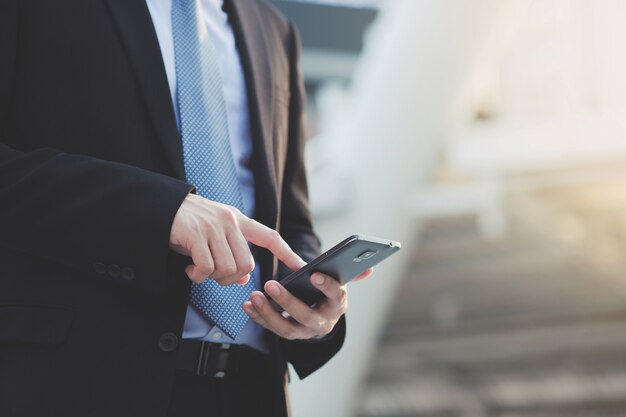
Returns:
(214, 360)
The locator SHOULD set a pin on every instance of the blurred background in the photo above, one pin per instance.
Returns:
(489, 137)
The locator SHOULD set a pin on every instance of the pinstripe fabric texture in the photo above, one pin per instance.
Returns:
(208, 158)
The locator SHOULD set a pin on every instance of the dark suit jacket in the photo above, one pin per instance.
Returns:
(92, 301)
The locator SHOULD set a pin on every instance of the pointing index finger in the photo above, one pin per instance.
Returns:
(267, 238)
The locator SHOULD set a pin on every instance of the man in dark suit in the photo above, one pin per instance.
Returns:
(107, 215)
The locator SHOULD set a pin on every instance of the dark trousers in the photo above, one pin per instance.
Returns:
(255, 390)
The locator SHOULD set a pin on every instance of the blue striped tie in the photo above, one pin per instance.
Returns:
(209, 163)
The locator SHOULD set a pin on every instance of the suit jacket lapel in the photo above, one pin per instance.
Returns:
(253, 50)
(135, 26)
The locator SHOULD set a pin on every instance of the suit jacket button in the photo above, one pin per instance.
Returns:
(168, 342)
(100, 268)
(114, 270)
(128, 274)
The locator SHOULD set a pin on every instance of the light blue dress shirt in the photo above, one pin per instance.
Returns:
(235, 95)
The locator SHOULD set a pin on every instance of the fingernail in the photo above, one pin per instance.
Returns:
(258, 301)
(273, 289)
(319, 279)
(247, 307)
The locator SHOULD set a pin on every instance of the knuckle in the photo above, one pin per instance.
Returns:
(326, 328)
(289, 333)
(274, 236)
(230, 281)
(196, 273)
(229, 269)
(311, 321)
(222, 282)
(343, 307)
(243, 268)
(239, 273)
(199, 277)
(206, 269)
(248, 266)
(227, 215)
(218, 273)
(342, 296)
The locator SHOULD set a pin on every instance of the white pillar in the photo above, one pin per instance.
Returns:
(395, 115)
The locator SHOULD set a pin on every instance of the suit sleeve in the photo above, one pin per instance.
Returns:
(104, 219)
(295, 219)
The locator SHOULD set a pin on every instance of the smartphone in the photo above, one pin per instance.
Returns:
(343, 262)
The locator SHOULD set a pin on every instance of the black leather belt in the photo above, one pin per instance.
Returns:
(214, 360)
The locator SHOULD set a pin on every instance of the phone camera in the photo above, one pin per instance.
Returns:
(364, 256)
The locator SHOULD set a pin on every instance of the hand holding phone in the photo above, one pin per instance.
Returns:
(351, 258)
(345, 261)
